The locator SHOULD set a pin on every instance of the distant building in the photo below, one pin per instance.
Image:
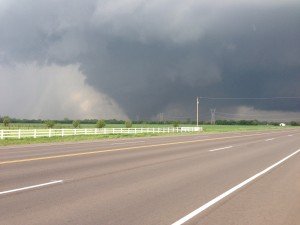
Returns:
(282, 124)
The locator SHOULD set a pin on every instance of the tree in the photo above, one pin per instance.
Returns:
(100, 124)
(294, 123)
(76, 123)
(128, 124)
(49, 123)
(176, 124)
(6, 121)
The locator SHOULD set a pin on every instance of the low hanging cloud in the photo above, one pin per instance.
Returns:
(148, 57)
(52, 92)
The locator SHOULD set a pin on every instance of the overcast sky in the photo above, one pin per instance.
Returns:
(137, 58)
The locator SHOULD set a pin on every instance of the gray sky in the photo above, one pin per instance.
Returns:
(129, 58)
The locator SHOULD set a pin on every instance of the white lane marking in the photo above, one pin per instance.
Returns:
(129, 142)
(290, 135)
(218, 149)
(31, 187)
(230, 191)
(270, 139)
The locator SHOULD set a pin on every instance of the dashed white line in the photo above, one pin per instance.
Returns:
(270, 139)
(31, 187)
(219, 149)
(230, 191)
(290, 135)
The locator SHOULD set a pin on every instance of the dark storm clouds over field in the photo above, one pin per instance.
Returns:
(156, 56)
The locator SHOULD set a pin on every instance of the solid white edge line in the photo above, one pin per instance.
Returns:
(31, 187)
(218, 149)
(230, 191)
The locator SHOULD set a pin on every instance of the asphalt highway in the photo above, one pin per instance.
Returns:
(213, 179)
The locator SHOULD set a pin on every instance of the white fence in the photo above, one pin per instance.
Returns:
(34, 133)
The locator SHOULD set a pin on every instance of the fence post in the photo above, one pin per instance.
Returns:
(19, 134)
(62, 132)
(34, 133)
(49, 132)
(2, 134)
(85, 131)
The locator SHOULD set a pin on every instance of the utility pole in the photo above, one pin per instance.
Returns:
(161, 117)
(212, 116)
(197, 111)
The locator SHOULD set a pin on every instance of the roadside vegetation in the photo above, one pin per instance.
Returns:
(128, 124)
(206, 128)
(221, 126)
(76, 123)
(239, 128)
(6, 121)
(100, 124)
(49, 123)
(79, 138)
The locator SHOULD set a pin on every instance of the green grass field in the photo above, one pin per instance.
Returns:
(206, 129)
(238, 128)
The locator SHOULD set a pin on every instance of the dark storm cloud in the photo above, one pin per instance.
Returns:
(150, 56)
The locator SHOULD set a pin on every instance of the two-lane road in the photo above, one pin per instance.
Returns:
(233, 178)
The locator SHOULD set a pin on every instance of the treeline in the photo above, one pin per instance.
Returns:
(114, 121)
(64, 121)
(294, 123)
(253, 122)
(245, 122)
(89, 121)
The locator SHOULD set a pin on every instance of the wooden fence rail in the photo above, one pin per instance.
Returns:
(35, 133)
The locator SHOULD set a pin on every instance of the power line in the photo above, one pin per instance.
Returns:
(251, 98)
(234, 116)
